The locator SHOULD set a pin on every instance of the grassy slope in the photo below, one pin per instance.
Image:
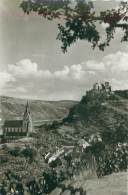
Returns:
(115, 184)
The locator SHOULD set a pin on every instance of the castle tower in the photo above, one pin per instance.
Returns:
(27, 120)
(107, 87)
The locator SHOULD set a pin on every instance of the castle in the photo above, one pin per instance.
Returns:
(102, 87)
(16, 129)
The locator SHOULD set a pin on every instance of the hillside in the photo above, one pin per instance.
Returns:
(99, 111)
(12, 108)
(79, 159)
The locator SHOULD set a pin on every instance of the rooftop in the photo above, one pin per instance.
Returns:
(13, 123)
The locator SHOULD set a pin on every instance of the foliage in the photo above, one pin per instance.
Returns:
(3, 159)
(117, 134)
(14, 151)
(81, 20)
(51, 180)
(109, 158)
(113, 159)
(28, 152)
(55, 163)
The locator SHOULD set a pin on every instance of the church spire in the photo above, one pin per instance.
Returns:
(27, 111)
(27, 120)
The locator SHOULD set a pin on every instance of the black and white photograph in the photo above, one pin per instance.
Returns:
(63, 97)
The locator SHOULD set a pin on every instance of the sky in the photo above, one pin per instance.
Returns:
(33, 66)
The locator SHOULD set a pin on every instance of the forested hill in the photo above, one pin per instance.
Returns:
(102, 111)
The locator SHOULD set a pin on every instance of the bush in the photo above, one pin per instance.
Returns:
(3, 159)
(55, 163)
(28, 153)
(14, 151)
(113, 159)
(4, 147)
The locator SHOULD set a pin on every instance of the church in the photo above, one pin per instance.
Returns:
(17, 129)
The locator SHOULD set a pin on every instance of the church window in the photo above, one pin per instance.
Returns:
(4, 130)
(20, 130)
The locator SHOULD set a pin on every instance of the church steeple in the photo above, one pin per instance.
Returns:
(27, 111)
(27, 120)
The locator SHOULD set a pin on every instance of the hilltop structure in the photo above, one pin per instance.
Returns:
(16, 129)
(105, 87)
(102, 88)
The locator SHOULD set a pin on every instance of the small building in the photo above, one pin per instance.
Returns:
(83, 144)
(96, 137)
(16, 129)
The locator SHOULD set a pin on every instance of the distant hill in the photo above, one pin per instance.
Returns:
(100, 110)
(13, 108)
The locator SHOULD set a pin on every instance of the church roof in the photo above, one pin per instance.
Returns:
(13, 123)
